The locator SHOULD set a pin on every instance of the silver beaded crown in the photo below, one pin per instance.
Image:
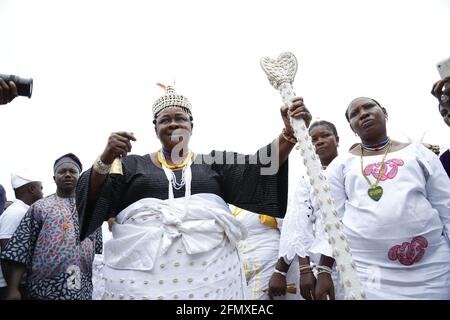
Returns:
(171, 99)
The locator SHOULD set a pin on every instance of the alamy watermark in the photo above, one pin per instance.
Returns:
(267, 157)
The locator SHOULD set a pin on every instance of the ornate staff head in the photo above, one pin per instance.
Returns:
(280, 70)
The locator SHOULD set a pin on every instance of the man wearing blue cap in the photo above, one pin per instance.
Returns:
(46, 244)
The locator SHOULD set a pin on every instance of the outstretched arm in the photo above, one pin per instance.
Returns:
(118, 145)
(287, 140)
(97, 192)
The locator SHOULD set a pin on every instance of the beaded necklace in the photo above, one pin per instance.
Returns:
(377, 146)
(186, 179)
(375, 191)
(163, 161)
(173, 179)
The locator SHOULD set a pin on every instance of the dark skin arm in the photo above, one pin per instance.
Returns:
(111, 222)
(324, 286)
(13, 278)
(296, 111)
(307, 280)
(13, 273)
(5, 265)
(277, 282)
(441, 87)
(119, 144)
(8, 91)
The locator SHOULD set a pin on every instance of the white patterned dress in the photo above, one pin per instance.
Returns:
(400, 243)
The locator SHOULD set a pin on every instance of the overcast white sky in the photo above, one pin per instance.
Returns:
(95, 64)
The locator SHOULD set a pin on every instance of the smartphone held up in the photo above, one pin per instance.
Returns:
(444, 68)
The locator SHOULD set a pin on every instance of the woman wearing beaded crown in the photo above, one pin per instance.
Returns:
(394, 202)
(175, 237)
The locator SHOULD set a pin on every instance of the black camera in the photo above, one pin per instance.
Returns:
(24, 86)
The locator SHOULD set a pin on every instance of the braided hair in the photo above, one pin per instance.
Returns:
(325, 123)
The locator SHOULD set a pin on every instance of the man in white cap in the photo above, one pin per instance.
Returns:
(27, 190)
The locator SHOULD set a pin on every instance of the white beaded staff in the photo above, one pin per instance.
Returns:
(281, 73)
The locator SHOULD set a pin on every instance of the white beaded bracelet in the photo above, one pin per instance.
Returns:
(322, 269)
(280, 272)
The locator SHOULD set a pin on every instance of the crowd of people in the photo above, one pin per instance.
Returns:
(183, 225)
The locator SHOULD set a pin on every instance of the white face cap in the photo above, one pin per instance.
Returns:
(22, 178)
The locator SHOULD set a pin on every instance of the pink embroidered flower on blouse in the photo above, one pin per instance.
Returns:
(409, 253)
(389, 172)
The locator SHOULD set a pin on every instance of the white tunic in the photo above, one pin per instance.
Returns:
(399, 243)
(303, 233)
(9, 221)
(158, 252)
(297, 235)
(260, 254)
(98, 282)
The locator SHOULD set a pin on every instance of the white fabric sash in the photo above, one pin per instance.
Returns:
(146, 229)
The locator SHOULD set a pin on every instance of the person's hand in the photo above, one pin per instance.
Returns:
(433, 147)
(324, 287)
(13, 294)
(296, 111)
(307, 285)
(111, 222)
(8, 91)
(277, 285)
(441, 91)
(119, 144)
